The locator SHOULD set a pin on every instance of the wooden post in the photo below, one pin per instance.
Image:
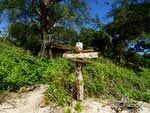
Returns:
(79, 77)
(77, 56)
(79, 82)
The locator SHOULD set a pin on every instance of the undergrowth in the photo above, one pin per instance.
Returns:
(18, 68)
(101, 77)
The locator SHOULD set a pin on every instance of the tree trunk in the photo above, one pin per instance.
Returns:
(43, 50)
(50, 53)
(43, 27)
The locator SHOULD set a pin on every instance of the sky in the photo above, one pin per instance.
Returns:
(3, 23)
(101, 9)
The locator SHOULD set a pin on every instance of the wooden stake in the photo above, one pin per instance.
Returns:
(79, 82)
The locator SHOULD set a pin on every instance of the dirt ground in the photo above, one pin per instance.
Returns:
(32, 102)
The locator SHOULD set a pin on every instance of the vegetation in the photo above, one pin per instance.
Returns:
(124, 45)
(102, 77)
(18, 68)
(78, 107)
(42, 16)
(107, 78)
(130, 23)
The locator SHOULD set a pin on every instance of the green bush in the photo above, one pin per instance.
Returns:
(145, 62)
(56, 93)
(78, 107)
(58, 76)
(107, 78)
(18, 68)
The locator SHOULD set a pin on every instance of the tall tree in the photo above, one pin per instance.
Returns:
(131, 20)
(46, 14)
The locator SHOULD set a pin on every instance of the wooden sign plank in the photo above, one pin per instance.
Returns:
(80, 55)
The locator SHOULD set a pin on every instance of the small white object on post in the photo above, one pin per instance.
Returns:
(79, 46)
(80, 54)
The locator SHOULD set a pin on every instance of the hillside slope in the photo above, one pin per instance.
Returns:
(17, 68)
(102, 78)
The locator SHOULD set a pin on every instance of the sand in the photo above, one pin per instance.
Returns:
(30, 102)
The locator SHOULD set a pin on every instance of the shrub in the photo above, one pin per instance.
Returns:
(107, 78)
(101, 77)
(78, 107)
(58, 76)
(18, 68)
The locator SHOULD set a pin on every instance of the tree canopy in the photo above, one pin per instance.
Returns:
(45, 15)
(131, 21)
(34, 22)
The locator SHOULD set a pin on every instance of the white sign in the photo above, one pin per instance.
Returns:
(80, 55)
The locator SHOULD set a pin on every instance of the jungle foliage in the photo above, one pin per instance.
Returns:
(101, 77)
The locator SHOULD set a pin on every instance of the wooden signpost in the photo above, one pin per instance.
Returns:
(77, 56)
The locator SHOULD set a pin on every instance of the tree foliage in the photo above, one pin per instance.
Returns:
(100, 40)
(131, 21)
(45, 15)
(24, 35)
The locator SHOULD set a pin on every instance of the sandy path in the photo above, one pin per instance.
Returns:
(27, 103)
(30, 103)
